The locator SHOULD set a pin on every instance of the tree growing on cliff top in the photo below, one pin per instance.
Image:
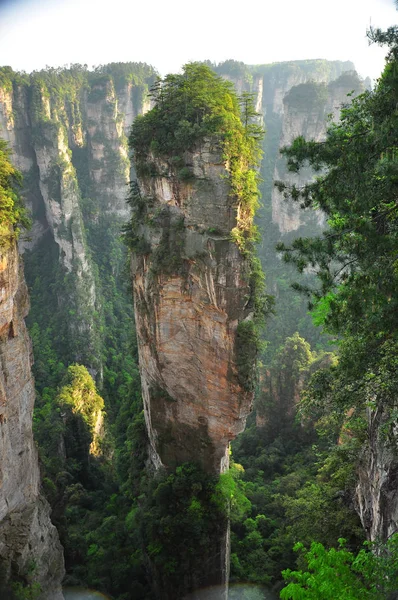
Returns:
(191, 107)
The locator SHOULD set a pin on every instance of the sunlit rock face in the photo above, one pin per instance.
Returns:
(27, 536)
(60, 140)
(191, 291)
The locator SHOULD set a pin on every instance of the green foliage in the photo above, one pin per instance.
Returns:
(80, 486)
(31, 591)
(9, 78)
(348, 79)
(79, 393)
(247, 347)
(283, 381)
(127, 73)
(235, 69)
(97, 93)
(321, 309)
(338, 574)
(299, 483)
(324, 69)
(354, 263)
(357, 195)
(12, 213)
(107, 511)
(228, 495)
(190, 108)
(180, 520)
(291, 312)
(354, 259)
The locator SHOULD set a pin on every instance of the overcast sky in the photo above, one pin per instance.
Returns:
(169, 33)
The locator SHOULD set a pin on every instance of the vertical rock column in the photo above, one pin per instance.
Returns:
(191, 291)
(29, 544)
(61, 196)
(108, 161)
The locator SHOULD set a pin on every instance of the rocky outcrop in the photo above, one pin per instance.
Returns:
(29, 544)
(306, 110)
(280, 78)
(191, 291)
(107, 146)
(282, 384)
(293, 98)
(377, 489)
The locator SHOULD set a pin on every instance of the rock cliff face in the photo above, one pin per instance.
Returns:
(191, 290)
(67, 132)
(277, 90)
(280, 78)
(306, 107)
(29, 544)
(377, 489)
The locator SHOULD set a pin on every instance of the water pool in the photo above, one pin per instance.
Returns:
(82, 594)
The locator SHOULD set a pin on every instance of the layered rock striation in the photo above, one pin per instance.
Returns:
(30, 550)
(191, 290)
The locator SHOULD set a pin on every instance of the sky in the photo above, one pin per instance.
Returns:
(170, 33)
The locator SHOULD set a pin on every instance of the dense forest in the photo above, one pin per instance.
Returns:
(307, 520)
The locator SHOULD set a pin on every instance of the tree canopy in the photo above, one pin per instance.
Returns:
(189, 106)
(338, 574)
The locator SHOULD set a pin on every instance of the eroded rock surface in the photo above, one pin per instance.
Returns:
(28, 541)
(377, 489)
(306, 109)
(191, 290)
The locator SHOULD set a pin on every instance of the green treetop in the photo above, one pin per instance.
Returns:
(191, 107)
(79, 393)
(337, 574)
